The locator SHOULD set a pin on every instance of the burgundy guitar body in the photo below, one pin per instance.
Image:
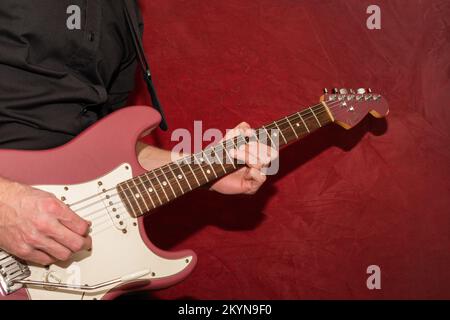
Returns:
(99, 150)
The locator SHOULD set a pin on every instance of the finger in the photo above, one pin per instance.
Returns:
(272, 153)
(256, 175)
(255, 178)
(244, 157)
(241, 129)
(261, 152)
(74, 222)
(69, 239)
(39, 257)
(54, 249)
(243, 126)
(254, 155)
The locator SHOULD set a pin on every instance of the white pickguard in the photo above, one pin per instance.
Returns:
(118, 249)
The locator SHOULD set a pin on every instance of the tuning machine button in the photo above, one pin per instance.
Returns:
(361, 91)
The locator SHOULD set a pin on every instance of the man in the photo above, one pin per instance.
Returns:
(63, 66)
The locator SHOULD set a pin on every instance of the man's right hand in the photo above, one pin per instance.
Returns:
(37, 227)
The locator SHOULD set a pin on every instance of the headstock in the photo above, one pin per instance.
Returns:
(348, 107)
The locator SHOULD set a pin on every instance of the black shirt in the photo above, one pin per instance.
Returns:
(63, 65)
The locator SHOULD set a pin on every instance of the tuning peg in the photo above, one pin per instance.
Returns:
(335, 91)
(352, 91)
(369, 90)
(325, 90)
(361, 91)
(343, 91)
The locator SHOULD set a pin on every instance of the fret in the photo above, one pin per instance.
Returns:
(310, 120)
(323, 115)
(161, 185)
(228, 155)
(292, 127)
(182, 172)
(220, 160)
(152, 188)
(193, 173)
(140, 194)
(304, 123)
(209, 163)
(148, 193)
(176, 177)
(282, 135)
(137, 196)
(125, 197)
(168, 182)
(272, 143)
(312, 111)
(200, 164)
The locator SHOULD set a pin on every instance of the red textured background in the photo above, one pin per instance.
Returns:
(344, 200)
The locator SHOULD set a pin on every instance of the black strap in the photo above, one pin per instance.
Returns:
(137, 40)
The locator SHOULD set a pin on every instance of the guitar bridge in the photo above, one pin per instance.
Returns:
(11, 271)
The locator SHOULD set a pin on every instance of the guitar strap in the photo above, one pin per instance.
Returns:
(132, 21)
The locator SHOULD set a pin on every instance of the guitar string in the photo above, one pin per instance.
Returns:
(221, 145)
(130, 217)
(181, 163)
(101, 224)
(160, 188)
(177, 162)
(161, 203)
(198, 168)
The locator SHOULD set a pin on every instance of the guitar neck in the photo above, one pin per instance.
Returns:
(155, 188)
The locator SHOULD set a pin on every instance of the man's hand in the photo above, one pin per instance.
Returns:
(37, 227)
(256, 156)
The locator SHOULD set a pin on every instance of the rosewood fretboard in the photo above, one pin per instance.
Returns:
(155, 188)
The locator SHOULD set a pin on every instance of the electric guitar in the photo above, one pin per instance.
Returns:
(98, 176)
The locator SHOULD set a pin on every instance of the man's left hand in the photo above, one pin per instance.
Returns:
(257, 156)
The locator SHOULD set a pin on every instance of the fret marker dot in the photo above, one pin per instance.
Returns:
(150, 189)
(208, 171)
(274, 134)
(164, 183)
(298, 124)
(137, 195)
(180, 176)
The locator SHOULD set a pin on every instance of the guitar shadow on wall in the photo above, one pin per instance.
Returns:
(172, 224)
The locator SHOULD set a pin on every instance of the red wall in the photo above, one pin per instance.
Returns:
(344, 200)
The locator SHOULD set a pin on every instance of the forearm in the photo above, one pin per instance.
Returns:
(151, 157)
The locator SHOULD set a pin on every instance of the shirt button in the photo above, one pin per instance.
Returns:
(91, 36)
